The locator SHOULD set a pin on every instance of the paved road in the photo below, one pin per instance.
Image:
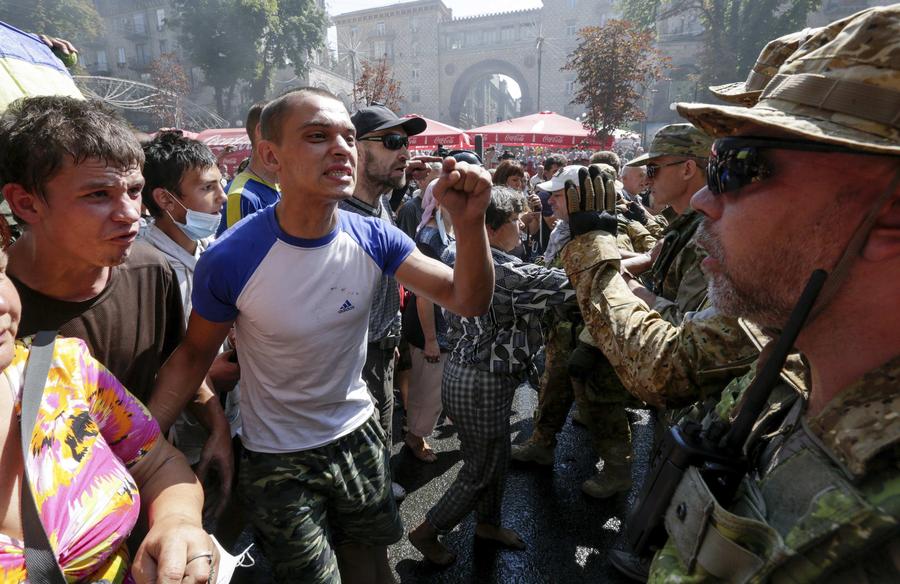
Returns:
(568, 534)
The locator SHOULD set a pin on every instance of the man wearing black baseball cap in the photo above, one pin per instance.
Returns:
(383, 145)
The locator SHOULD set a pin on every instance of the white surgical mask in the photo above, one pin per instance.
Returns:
(197, 225)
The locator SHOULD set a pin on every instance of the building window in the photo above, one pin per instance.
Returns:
(140, 54)
(121, 58)
(507, 33)
(415, 50)
(354, 32)
(145, 77)
(416, 95)
(573, 4)
(570, 87)
(413, 24)
(571, 30)
(379, 28)
(160, 18)
(140, 23)
(163, 46)
(414, 73)
(101, 61)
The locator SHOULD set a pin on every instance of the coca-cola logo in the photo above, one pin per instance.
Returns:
(513, 138)
(552, 139)
(445, 140)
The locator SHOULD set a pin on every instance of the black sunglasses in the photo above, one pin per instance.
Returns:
(390, 141)
(737, 162)
(653, 169)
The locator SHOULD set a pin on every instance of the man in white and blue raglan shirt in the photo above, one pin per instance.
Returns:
(297, 279)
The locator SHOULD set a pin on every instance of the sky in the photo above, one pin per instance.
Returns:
(459, 7)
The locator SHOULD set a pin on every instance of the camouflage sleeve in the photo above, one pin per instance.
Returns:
(641, 239)
(690, 292)
(656, 225)
(658, 362)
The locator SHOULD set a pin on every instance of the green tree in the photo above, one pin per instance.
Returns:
(221, 37)
(74, 20)
(614, 65)
(293, 30)
(735, 31)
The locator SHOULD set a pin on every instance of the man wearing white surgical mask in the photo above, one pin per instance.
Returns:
(183, 192)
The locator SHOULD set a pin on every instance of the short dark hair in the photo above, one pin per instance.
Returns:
(557, 159)
(168, 157)
(607, 157)
(37, 134)
(506, 169)
(505, 202)
(252, 122)
(272, 116)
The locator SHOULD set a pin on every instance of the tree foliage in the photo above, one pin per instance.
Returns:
(248, 40)
(376, 83)
(735, 31)
(294, 28)
(73, 20)
(220, 37)
(168, 76)
(614, 65)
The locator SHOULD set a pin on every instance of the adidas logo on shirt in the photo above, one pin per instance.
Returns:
(345, 307)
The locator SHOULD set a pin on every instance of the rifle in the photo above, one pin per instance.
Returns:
(717, 449)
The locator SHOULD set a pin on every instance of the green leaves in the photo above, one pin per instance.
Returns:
(69, 19)
(614, 65)
(233, 40)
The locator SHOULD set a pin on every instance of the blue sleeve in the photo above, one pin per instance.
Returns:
(386, 245)
(250, 203)
(226, 267)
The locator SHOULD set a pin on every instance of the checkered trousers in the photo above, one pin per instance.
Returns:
(479, 404)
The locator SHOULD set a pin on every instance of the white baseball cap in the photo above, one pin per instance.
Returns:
(558, 180)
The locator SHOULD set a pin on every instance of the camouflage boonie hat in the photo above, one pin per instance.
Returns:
(676, 140)
(842, 89)
(773, 55)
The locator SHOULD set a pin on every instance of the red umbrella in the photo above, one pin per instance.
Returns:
(217, 140)
(547, 129)
(439, 134)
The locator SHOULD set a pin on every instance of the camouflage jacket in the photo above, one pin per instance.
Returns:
(659, 362)
(675, 276)
(840, 523)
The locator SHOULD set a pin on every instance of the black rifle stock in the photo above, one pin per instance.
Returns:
(717, 450)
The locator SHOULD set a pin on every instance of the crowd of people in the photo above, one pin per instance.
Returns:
(183, 357)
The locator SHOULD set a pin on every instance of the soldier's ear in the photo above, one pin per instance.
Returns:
(884, 239)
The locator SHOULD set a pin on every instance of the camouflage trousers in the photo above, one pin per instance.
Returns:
(600, 396)
(304, 504)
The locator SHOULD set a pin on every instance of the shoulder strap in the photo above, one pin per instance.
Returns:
(40, 561)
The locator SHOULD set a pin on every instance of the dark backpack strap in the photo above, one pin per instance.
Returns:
(40, 561)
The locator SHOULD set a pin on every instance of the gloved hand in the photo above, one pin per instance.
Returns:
(636, 212)
(592, 204)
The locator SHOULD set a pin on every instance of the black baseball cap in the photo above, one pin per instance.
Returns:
(377, 116)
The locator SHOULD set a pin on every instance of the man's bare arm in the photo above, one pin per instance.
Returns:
(185, 369)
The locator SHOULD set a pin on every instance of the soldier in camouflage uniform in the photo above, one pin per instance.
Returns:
(825, 132)
(594, 386)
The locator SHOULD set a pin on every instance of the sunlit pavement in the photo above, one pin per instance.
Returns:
(568, 534)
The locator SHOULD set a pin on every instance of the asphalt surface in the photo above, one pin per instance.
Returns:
(567, 533)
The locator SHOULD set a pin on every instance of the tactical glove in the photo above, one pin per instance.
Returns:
(592, 206)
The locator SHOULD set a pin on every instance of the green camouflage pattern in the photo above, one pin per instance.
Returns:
(660, 363)
(840, 522)
(773, 55)
(304, 504)
(675, 277)
(676, 140)
(858, 55)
